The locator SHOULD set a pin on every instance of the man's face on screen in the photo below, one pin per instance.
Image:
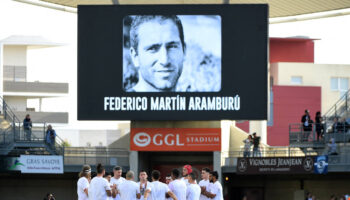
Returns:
(160, 54)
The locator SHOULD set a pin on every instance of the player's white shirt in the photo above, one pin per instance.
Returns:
(117, 182)
(169, 197)
(185, 180)
(158, 190)
(216, 188)
(82, 184)
(128, 190)
(178, 187)
(143, 189)
(204, 183)
(97, 189)
(193, 192)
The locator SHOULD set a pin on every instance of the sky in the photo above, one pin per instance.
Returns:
(59, 64)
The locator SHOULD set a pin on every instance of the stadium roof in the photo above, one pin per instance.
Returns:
(278, 8)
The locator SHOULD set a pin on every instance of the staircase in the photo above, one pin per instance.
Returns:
(307, 141)
(341, 109)
(13, 140)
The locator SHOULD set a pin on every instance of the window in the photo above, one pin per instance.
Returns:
(296, 80)
(339, 84)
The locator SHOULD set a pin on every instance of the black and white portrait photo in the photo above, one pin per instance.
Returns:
(172, 53)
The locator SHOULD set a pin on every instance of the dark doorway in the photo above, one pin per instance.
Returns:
(166, 161)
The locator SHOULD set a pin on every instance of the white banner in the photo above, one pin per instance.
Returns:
(41, 164)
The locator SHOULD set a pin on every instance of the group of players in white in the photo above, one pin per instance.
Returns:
(105, 187)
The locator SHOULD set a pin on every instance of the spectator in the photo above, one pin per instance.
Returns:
(336, 125)
(247, 145)
(27, 126)
(49, 196)
(319, 126)
(343, 126)
(332, 147)
(307, 124)
(308, 196)
(256, 145)
(50, 136)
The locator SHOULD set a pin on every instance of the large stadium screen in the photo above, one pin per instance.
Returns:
(172, 62)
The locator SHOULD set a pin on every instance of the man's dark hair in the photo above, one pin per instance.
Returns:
(142, 170)
(107, 174)
(117, 168)
(175, 173)
(156, 174)
(100, 168)
(140, 19)
(206, 169)
(215, 174)
(192, 175)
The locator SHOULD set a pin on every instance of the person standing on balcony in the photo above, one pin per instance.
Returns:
(256, 145)
(307, 124)
(27, 126)
(319, 125)
(336, 125)
(50, 136)
(247, 146)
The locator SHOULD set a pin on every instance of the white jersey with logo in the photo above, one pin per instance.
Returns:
(82, 184)
(128, 190)
(159, 190)
(216, 188)
(193, 192)
(204, 183)
(143, 188)
(117, 182)
(178, 187)
(97, 189)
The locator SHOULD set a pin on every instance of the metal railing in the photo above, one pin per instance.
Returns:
(299, 136)
(340, 158)
(339, 107)
(8, 114)
(6, 136)
(272, 152)
(94, 155)
(338, 110)
(29, 138)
